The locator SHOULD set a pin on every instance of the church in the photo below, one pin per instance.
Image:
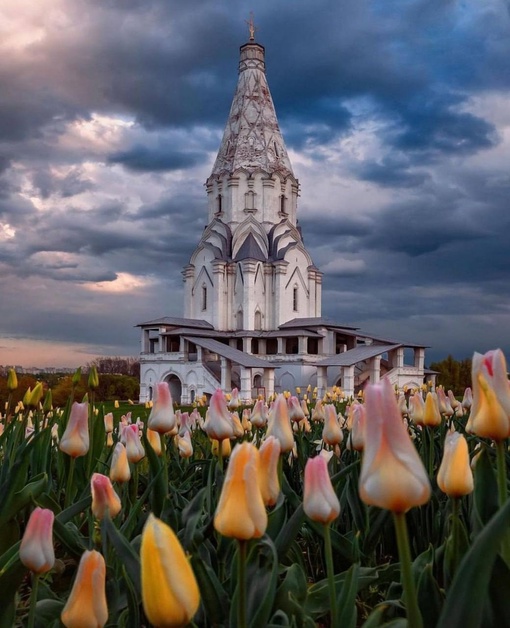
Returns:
(252, 294)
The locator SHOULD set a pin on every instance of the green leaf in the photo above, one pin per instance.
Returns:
(192, 516)
(486, 490)
(262, 576)
(47, 612)
(11, 577)
(290, 531)
(213, 596)
(466, 597)
(430, 598)
(346, 603)
(128, 557)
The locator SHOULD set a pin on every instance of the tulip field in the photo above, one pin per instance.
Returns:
(389, 509)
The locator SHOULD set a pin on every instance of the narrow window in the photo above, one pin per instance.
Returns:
(220, 204)
(282, 204)
(295, 300)
(204, 297)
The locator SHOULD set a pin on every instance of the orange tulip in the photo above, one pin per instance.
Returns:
(86, 606)
(320, 502)
(279, 424)
(455, 477)
(431, 414)
(392, 473)
(36, 550)
(241, 513)
(75, 440)
(331, 432)
(119, 468)
(268, 470)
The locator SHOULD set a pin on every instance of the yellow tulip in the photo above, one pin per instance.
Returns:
(241, 513)
(279, 424)
(431, 414)
(226, 447)
(86, 606)
(455, 477)
(170, 593)
(268, 470)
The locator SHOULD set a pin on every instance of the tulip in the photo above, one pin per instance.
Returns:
(455, 477)
(331, 433)
(36, 395)
(93, 382)
(75, 439)
(154, 439)
(268, 470)
(226, 448)
(76, 377)
(392, 473)
(86, 605)
(416, 408)
(304, 407)
(170, 593)
(245, 420)
(318, 413)
(431, 414)
(295, 410)
(184, 445)
(453, 401)
(108, 422)
(238, 426)
(241, 513)
(233, 402)
(443, 401)
(320, 502)
(119, 468)
(104, 497)
(467, 399)
(36, 550)
(402, 405)
(219, 425)
(357, 434)
(134, 448)
(12, 380)
(490, 412)
(258, 416)
(279, 424)
(162, 417)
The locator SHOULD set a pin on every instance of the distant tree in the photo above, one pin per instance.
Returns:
(453, 374)
(117, 366)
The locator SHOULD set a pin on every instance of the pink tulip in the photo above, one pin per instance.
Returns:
(162, 417)
(258, 416)
(392, 473)
(75, 440)
(104, 497)
(134, 448)
(219, 425)
(295, 410)
(320, 502)
(36, 550)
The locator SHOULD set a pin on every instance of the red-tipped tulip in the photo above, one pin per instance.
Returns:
(392, 473)
(36, 550)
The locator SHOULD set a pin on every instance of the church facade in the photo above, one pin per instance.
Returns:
(252, 294)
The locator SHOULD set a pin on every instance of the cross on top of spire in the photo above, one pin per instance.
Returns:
(251, 26)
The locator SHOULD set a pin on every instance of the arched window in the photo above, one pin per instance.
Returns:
(239, 319)
(295, 299)
(257, 323)
(204, 298)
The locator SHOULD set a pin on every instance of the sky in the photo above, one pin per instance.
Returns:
(396, 116)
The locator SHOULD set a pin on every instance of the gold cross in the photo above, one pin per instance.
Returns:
(251, 26)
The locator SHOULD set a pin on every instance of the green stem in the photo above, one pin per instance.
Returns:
(501, 468)
(330, 572)
(241, 579)
(69, 486)
(414, 618)
(134, 484)
(455, 532)
(33, 600)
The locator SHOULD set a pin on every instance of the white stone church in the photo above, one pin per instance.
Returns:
(252, 294)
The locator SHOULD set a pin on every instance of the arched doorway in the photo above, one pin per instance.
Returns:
(175, 385)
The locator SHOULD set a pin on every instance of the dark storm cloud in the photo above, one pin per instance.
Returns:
(141, 158)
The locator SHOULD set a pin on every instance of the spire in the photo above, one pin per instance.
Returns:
(252, 138)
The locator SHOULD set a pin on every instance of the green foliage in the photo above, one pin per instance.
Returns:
(453, 374)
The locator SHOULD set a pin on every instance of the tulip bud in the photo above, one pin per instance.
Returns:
(86, 604)
(184, 445)
(431, 414)
(154, 439)
(258, 416)
(108, 422)
(279, 424)
(77, 377)
(26, 397)
(134, 447)
(93, 382)
(162, 417)
(331, 433)
(75, 440)
(226, 447)
(241, 513)
(48, 402)
(170, 592)
(36, 550)
(119, 468)
(295, 410)
(320, 502)
(318, 413)
(455, 477)
(268, 470)
(233, 402)
(392, 474)
(104, 497)
(218, 424)
(12, 380)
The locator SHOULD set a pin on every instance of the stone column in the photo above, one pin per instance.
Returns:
(279, 292)
(322, 381)
(348, 380)
(226, 374)
(375, 369)
(245, 392)
(218, 301)
(302, 345)
(419, 358)
(268, 381)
